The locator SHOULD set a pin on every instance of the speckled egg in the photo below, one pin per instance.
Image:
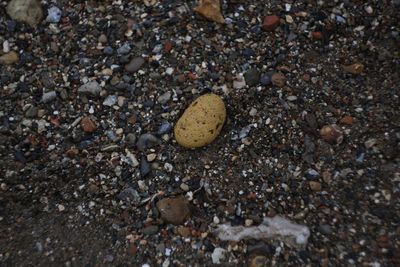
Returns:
(201, 122)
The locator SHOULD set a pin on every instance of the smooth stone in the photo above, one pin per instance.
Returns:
(252, 77)
(92, 87)
(135, 64)
(28, 11)
(174, 210)
(48, 97)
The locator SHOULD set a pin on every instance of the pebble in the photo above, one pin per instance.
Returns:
(135, 64)
(270, 23)
(130, 138)
(292, 98)
(347, 120)
(145, 168)
(164, 98)
(54, 15)
(184, 231)
(332, 134)
(356, 68)
(218, 255)
(129, 195)
(151, 157)
(29, 11)
(265, 79)
(92, 87)
(174, 210)
(278, 79)
(315, 186)
(211, 10)
(102, 38)
(108, 50)
(88, 125)
(9, 58)
(184, 187)
(124, 49)
(146, 140)
(150, 230)
(164, 128)
(259, 261)
(252, 77)
(49, 96)
(110, 100)
(370, 143)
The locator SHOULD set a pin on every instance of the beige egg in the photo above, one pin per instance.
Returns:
(201, 122)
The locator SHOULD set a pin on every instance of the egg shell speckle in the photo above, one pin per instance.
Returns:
(201, 122)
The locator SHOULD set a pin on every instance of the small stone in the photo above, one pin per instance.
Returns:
(218, 255)
(9, 58)
(270, 23)
(129, 195)
(317, 35)
(331, 134)
(248, 222)
(145, 168)
(239, 82)
(184, 187)
(291, 98)
(174, 210)
(54, 15)
(88, 125)
(347, 120)
(327, 177)
(121, 101)
(110, 100)
(325, 229)
(48, 97)
(92, 87)
(252, 77)
(164, 128)
(278, 79)
(135, 64)
(28, 11)
(102, 39)
(147, 140)
(108, 50)
(211, 10)
(306, 77)
(164, 98)
(370, 143)
(265, 79)
(124, 49)
(130, 139)
(184, 231)
(151, 157)
(315, 186)
(150, 230)
(356, 68)
(31, 112)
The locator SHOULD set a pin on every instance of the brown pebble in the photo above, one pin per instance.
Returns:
(356, 68)
(317, 35)
(331, 134)
(174, 210)
(327, 177)
(315, 186)
(9, 58)
(211, 10)
(88, 125)
(347, 120)
(306, 77)
(270, 23)
(184, 231)
(278, 79)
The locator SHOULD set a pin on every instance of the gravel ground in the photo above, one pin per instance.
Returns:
(91, 174)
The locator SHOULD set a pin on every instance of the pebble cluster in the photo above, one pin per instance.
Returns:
(93, 170)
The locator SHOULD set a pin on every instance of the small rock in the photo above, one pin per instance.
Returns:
(239, 82)
(135, 64)
(130, 138)
(315, 186)
(291, 98)
(317, 35)
(356, 68)
(326, 229)
(54, 15)
(211, 10)
(331, 134)
(252, 77)
(103, 39)
(147, 140)
(174, 210)
(184, 231)
(129, 195)
(31, 112)
(150, 230)
(92, 87)
(270, 23)
(327, 177)
(184, 187)
(151, 157)
(29, 11)
(265, 79)
(88, 125)
(145, 168)
(110, 100)
(164, 98)
(48, 97)
(124, 49)
(370, 143)
(9, 58)
(164, 128)
(218, 255)
(278, 79)
(347, 120)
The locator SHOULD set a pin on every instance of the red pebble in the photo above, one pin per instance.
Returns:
(270, 23)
